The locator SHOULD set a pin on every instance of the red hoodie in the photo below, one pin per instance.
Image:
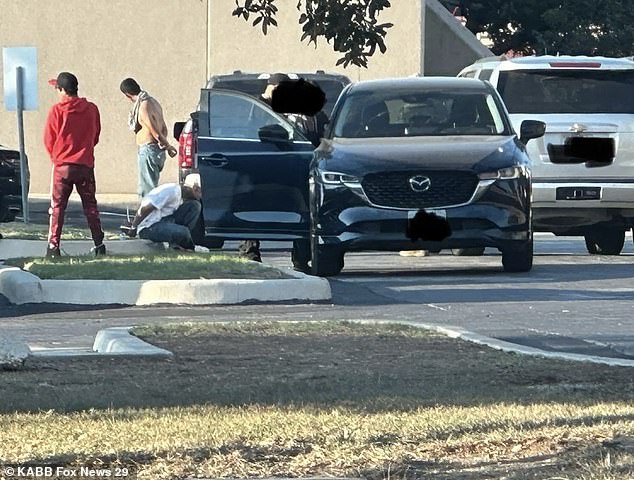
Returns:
(72, 131)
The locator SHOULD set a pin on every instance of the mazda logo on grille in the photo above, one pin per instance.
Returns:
(420, 183)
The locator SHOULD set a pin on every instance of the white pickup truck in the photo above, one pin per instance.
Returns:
(583, 167)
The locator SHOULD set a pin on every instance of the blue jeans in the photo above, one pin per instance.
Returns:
(151, 160)
(176, 229)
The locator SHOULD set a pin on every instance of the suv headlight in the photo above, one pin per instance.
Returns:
(336, 178)
(508, 173)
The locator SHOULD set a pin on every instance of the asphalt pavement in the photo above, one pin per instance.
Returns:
(571, 302)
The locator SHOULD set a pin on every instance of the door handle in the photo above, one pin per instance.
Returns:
(216, 160)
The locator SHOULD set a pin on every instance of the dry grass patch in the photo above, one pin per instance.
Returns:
(272, 399)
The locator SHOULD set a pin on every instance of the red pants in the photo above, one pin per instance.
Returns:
(65, 177)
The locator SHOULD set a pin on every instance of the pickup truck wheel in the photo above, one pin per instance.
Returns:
(199, 237)
(468, 252)
(608, 241)
(518, 259)
(5, 214)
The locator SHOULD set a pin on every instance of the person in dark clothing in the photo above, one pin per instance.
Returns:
(71, 132)
(313, 128)
(250, 249)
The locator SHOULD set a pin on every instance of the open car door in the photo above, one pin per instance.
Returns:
(254, 169)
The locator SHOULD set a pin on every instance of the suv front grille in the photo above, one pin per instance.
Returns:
(393, 190)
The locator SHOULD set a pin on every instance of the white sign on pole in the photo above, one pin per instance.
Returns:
(12, 58)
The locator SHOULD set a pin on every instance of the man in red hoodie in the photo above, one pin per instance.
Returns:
(70, 135)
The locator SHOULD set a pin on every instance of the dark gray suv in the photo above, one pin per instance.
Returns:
(252, 84)
(10, 184)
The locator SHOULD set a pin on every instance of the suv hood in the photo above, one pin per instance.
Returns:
(367, 155)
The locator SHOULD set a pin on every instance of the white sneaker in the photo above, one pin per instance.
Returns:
(200, 249)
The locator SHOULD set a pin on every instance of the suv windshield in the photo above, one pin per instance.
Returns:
(567, 91)
(406, 113)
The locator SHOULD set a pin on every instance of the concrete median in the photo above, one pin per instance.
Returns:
(21, 287)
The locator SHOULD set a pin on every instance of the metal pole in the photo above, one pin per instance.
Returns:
(23, 165)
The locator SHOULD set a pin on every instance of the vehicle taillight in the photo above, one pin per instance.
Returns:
(186, 150)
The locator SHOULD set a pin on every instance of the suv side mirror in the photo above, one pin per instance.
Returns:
(178, 128)
(531, 129)
(274, 134)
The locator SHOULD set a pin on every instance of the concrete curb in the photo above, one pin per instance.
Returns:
(468, 336)
(13, 352)
(22, 287)
(119, 340)
(454, 332)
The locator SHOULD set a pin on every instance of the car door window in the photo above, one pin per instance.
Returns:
(241, 117)
(485, 74)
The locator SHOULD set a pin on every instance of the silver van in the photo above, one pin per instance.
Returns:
(583, 167)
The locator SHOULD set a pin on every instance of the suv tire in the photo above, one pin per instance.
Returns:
(199, 237)
(326, 261)
(608, 241)
(518, 259)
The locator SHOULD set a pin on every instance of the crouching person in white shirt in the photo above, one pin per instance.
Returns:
(169, 213)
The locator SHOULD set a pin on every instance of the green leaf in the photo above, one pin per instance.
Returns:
(381, 44)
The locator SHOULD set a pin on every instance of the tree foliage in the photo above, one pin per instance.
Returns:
(350, 26)
(579, 27)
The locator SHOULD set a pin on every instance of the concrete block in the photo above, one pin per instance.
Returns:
(13, 352)
(119, 340)
(19, 286)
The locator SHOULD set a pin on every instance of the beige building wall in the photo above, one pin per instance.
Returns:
(235, 45)
(450, 45)
(170, 47)
(161, 44)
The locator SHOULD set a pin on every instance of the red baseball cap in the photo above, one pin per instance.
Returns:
(65, 80)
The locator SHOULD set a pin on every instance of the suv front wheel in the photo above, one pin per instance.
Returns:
(326, 261)
(607, 241)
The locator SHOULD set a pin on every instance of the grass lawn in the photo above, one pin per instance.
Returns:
(253, 400)
(167, 265)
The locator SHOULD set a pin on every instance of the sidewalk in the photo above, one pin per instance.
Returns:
(21, 287)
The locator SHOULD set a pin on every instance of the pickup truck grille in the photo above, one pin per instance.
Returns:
(393, 190)
(9, 166)
(10, 158)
